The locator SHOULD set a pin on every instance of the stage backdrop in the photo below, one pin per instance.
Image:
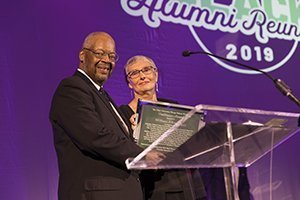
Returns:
(40, 41)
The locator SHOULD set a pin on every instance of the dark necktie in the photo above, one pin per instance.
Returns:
(104, 94)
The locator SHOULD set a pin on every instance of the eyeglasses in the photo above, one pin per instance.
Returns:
(146, 70)
(113, 57)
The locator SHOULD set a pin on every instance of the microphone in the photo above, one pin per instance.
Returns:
(279, 84)
(186, 53)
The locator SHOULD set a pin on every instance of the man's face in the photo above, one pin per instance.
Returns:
(96, 60)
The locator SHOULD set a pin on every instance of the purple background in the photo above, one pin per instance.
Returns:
(40, 41)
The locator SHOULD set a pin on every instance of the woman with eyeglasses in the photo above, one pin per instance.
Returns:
(142, 77)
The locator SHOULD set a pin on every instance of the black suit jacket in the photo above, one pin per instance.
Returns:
(91, 144)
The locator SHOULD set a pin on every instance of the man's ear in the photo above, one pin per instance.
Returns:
(81, 56)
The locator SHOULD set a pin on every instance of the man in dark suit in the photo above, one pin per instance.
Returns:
(92, 140)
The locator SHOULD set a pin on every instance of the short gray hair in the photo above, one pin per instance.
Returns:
(134, 59)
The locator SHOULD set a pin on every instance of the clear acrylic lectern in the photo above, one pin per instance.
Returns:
(207, 136)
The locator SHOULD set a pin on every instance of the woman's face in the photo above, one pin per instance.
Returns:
(142, 76)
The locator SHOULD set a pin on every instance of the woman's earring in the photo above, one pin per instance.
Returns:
(156, 87)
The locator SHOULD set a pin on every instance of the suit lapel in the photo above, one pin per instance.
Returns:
(105, 101)
(109, 106)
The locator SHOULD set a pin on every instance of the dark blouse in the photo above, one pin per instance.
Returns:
(127, 112)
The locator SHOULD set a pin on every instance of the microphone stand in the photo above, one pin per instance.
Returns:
(279, 84)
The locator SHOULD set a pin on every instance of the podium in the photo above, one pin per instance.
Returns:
(224, 137)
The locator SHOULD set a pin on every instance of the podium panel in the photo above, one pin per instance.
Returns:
(207, 136)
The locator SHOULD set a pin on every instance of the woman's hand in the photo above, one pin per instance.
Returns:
(133, 121)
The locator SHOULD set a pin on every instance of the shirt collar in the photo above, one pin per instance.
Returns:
(95, 84)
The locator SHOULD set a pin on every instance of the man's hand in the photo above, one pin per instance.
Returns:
(154, 157)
